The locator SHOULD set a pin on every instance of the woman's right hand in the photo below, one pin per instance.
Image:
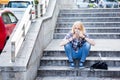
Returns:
(77, 34)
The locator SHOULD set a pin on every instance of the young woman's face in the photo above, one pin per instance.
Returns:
(77, 28)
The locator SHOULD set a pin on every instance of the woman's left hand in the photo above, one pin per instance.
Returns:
(81, 35)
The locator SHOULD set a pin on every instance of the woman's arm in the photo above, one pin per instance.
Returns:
(87, 39)
(90, 41)
(65, 41)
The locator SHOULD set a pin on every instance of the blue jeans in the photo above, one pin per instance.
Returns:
(81, 54)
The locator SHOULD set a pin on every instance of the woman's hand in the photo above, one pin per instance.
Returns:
(82, 36)
(65, 41)
(78, 34)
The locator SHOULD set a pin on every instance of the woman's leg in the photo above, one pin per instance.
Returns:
(85, 51)
(68, 51)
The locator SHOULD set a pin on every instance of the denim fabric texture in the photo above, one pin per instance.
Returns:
(81, 54)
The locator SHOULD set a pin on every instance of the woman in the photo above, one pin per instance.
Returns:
(77, 44)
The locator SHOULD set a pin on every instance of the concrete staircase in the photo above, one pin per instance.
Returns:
(103, 25)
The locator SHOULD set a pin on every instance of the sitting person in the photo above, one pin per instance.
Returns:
(77, 44)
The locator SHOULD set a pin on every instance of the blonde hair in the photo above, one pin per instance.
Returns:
(80, 25)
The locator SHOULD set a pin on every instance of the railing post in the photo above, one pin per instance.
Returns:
(23, 30)
(41, 10)
(13, 52)
(36, 11)
(31, 17)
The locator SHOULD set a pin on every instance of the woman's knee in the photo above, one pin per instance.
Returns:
(68, 45)
(87, 45)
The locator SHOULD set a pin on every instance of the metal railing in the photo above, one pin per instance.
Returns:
(20, 33)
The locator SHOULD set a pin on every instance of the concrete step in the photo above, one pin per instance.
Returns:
(91, 29)
(90, 24)
(101, 45)
(90, 19)
(92, 35)
(92, 53)
(74, 78)
(65, 71)
(84, 72)
(110, 53)
(63, 61)
(90, 10)
(96, 14)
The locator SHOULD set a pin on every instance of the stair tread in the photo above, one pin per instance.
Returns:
(88, 58)
(74, 78)
(94, 33)
(109, 45)
(89, 13)
(89, 10)
(88, 22)
(90, 27)
(88, 17)
(68, 68)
